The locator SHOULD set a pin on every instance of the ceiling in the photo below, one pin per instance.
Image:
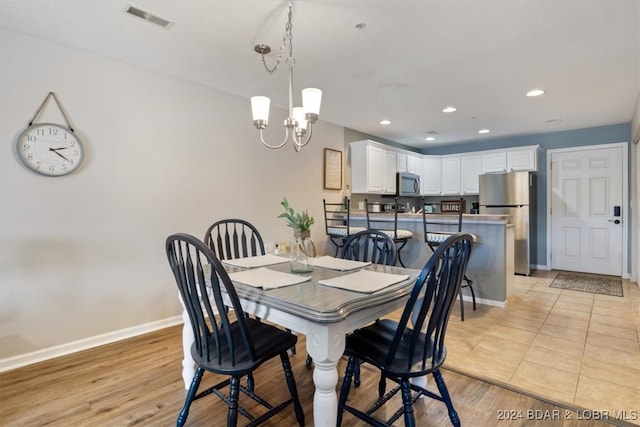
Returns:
(411, 59)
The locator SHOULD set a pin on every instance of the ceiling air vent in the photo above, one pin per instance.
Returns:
(148, 16)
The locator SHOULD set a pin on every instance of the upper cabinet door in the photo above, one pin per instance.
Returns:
(413, 164)
(374, 169)
(431, 179)
(451, 175)
(470, 171)
(494, 162)
(389, 168)
(401, 164)
(522, 160)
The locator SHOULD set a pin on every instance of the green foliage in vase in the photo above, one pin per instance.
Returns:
(300, 221)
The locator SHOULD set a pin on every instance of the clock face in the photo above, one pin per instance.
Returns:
(50, 149)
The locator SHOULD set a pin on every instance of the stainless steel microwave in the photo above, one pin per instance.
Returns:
(407, 184)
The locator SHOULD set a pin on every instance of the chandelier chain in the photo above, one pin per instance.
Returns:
(287, 38)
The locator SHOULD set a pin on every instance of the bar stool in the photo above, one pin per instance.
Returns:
(337, 222)
(438, 228)
(388, 224)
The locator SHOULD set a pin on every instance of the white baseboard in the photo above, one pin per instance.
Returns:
(493, 303)
(14, 362)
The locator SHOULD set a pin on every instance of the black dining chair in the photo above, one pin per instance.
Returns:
(401, 352)
(233, 239)
(438, 226)
(337, 222)
(367, 246)
(372, 246)
(227, 345)
(388, 224)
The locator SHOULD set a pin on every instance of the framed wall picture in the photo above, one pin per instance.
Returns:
(332, 169)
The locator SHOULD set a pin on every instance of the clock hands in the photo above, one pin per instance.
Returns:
(55, 150)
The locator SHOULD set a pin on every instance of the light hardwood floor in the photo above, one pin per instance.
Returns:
(137, 382)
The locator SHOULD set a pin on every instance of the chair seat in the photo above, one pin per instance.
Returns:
(342, 231)
(399, 234)
(438, 237)
(371, 344)
(268, 342)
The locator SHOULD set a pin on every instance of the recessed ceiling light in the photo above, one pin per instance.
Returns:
(484, 131)
(450, 109)
(385, 122)
(535, 92)
(429, 138)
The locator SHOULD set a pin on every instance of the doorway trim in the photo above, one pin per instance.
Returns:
(625, 197)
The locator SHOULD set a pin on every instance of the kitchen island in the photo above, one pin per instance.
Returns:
(491, 264)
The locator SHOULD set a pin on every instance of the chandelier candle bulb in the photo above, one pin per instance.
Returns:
(299, 117)
(260, 110)
(311, 99)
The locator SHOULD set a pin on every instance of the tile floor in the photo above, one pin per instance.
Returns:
(578, 349)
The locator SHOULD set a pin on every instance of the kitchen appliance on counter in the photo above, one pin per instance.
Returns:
(512, 194)
(407, 185)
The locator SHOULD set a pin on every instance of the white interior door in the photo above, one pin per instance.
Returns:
(586, 186)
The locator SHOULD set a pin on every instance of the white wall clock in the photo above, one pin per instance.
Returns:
(50, 149)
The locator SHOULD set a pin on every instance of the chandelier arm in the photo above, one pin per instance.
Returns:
(275, 147)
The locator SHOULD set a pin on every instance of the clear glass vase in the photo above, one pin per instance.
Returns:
(302, 248)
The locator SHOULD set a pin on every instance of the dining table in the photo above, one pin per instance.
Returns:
(328, 303)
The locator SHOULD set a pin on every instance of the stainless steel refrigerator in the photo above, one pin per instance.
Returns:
(512, 194)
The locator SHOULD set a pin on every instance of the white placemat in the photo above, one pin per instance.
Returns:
(365, 281)
(267, 279)
(256, 261)
(337, 263)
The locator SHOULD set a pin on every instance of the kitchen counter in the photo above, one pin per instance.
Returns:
(491, 264)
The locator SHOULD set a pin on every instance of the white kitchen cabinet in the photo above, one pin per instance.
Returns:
(401, 163)
(373, 168)
(431, 178)
(494, 162)
(413, 164)
(366, 167)
(389, 168)
(470, 171)
(510, 159)
(522, 159)
(451, 175)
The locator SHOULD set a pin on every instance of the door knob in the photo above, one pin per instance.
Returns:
(615, 221)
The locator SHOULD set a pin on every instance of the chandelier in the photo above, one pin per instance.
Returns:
(299, 123)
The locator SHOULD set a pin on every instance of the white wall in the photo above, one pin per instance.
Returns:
(83, 255)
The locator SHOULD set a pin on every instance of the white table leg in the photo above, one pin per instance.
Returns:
(325, 344)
